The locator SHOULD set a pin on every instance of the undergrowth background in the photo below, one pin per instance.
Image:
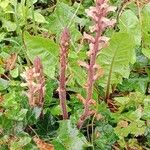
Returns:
(33, 28)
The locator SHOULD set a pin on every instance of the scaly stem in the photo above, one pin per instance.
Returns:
(62, 87)
(64, 45)
(90, 81)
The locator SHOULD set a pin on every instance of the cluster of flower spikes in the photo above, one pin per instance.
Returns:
(97, 41)
(35, 82)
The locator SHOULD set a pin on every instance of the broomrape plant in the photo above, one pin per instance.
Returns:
(98, 14)
(84, 90)
(35, 82)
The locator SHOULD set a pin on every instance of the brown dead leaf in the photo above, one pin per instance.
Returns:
(80, 98)
(97, 134)
(1, 98)
(99, 117)
(11, 62)
(141, 3)
(123, 124)
(42, 145)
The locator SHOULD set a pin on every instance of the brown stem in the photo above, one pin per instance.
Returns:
(62, 87)
(64, 45)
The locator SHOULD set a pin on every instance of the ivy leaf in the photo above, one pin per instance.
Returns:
(129, 23)
(116, 58)
(138, 84)
(146, 112)
(107, 137)
(71, 139)
(136, 128)
(21, 141)
(46, 49)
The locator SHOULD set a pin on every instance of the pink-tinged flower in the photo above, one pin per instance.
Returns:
(35, 82)
(92, 12)
(88, 37)
(111, 9)
(107, 22)
(83, 64)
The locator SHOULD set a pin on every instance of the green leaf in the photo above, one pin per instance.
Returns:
(19, 143)
(146, 52)
(14, 73)
(136, 128)
(39, 18)
(107, 137)
(3, 84)
(2, 35)
(71, 139)
(129, 23)
(146, 113)
(20, 115)
(2, 70)
(46, 49)
(51, 85)
(4, 4)
(62, 17)
(138, 84)
(10, 26)
(146, 30)
(78, 74)
(56, 110)
(116, 58)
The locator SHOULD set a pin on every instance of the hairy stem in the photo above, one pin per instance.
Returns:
(90, 81)
(64, 46)
(62, 87)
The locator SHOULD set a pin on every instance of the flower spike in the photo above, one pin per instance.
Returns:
(98, 15)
